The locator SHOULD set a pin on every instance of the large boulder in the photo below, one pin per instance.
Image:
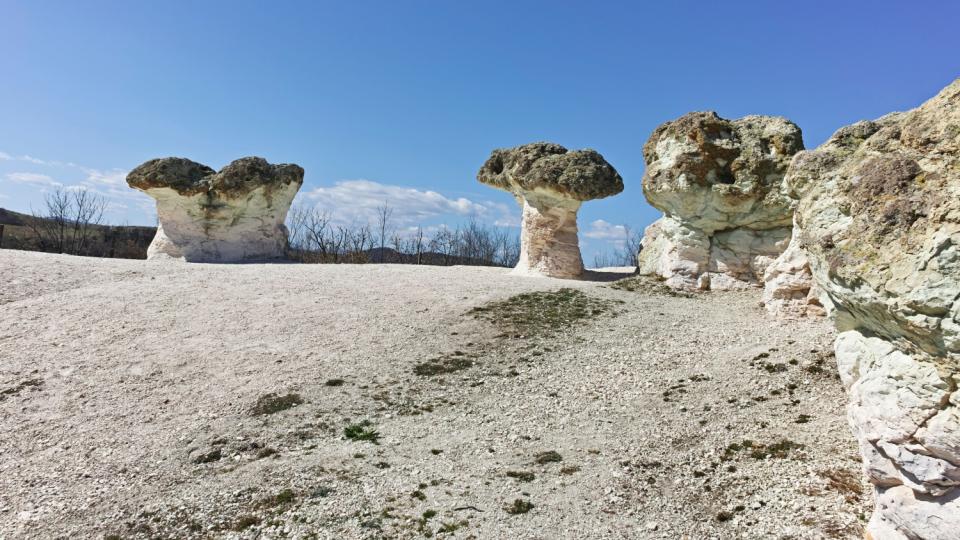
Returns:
(233, 215)
(719, 184)
(880, 223)
(550, 183)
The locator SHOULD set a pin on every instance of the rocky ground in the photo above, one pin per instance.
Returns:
(145, 400)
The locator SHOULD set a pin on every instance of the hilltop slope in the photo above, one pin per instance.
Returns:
(335, 401)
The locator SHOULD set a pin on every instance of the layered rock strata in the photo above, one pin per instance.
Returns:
(880, 222)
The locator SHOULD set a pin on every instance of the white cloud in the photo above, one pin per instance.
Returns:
(113, 177)
(32, 178)
(604, 230)
(31, 159)
(357, 200)
(5, 156)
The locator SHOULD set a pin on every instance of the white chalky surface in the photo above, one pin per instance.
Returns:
(115, 375)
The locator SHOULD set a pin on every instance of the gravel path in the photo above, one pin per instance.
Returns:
(145, 400)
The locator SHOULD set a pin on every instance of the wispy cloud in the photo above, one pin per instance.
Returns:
(32, 178)
(5, 156)
(604, 230)
(358, 200)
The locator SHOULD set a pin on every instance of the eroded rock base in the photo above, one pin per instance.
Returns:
(548, 242)
(688, 258)
(904, 412)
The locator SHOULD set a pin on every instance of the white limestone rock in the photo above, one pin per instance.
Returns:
(719, 185)
(550, 183)
(233, 215)
(879, 219)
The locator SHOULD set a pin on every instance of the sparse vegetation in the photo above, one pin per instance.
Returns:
(549, 456)
(523, 476)
(245, 522)
(362, 431)
(648, 285)
(444, 365)
(274, 403)
(844, 482)
(519, 506)
(542, 312)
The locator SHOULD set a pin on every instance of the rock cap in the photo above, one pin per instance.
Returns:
(581, 175)
(189, 177)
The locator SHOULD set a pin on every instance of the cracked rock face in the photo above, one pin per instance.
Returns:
(233, 215)
(719, 183)
(550, 183)
(880, 222)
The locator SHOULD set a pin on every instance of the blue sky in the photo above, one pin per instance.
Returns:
(403, 100)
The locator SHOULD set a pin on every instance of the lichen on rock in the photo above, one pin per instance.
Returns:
(880, 222)
(719, 183)
(550, 183)
(233, 215)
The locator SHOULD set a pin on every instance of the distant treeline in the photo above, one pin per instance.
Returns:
(71, 222)
(314, 238)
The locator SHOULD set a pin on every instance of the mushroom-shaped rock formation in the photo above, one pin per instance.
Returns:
(233, 215)
(550, 182)
(880, 222)
(719, 184)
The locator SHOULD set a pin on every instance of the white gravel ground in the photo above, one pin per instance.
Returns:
(127, 388)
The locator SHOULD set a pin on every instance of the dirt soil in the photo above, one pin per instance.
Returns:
(150, 400)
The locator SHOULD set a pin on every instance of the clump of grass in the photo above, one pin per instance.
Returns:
(542, 313)
(802, 419)
(283, 498)
(523, 476)
(362, 431)
(209, 457)
(549, 456)
(778, 450)
(321, 492)
(443, 365)
(648, 285)
(419, 495)
(429, 514)
(274, 403)
(570, 469)
(452, 527)
(245, 522)
(266, 452)
(334, 382)
(519, 506)
(845, 482)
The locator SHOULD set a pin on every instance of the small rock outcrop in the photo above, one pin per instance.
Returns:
(880, 223)
(550, 183)
(719, 184)
(233, 215)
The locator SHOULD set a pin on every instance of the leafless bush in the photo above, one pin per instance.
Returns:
(625, 255)
(68, 220)
(315, 239)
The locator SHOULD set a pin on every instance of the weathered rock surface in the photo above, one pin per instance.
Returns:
(880, 221)
(233, 215)
(550, 183)
(719, 183)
